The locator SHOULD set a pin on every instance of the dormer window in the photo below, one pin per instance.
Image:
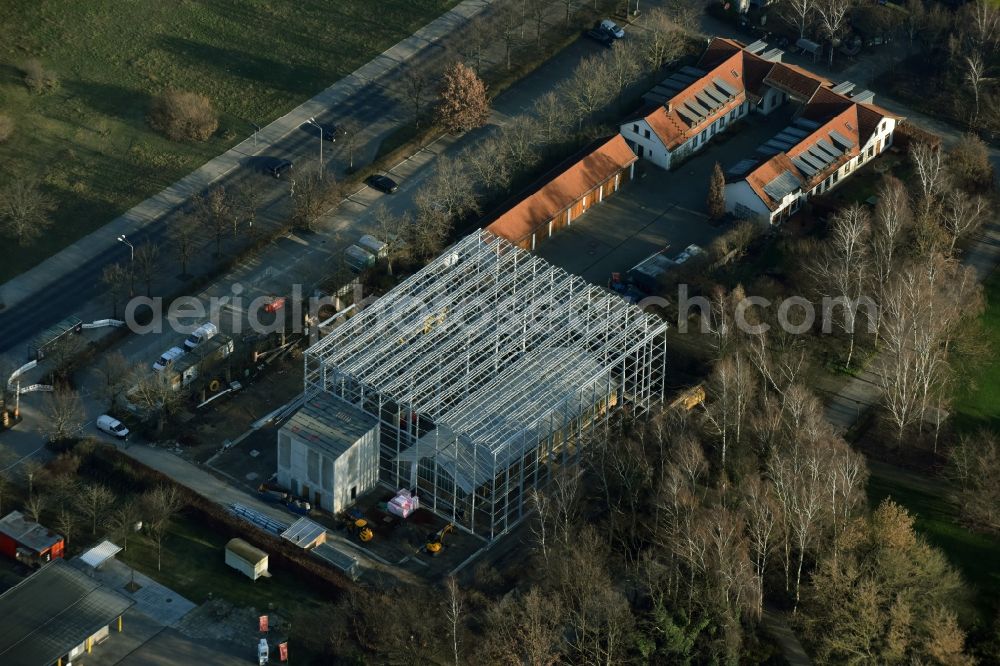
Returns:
(848, 125)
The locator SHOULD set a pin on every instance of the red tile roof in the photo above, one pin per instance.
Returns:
(726, 60)
(854, 122)
(565, 189)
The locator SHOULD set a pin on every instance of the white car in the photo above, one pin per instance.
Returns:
(112, 426)
(612, 28)
(168, 358)
(204, 332)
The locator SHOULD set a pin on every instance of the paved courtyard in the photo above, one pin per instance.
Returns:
(658, 209)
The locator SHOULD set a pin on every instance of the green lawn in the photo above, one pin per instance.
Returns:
(194, 566)
(88, 140)
(975, 555)
(978, 405)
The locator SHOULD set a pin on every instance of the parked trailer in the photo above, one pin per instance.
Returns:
(358, 258)
(373, 245)
(247, 559)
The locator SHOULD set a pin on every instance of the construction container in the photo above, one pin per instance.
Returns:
(373, 245)
(248, 560)
(358, 258)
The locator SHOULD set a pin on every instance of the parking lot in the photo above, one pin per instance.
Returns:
(658, 209)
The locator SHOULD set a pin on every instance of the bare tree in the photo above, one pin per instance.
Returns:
(154, 394)
(550, 110)
(623, 68)
(147, 263)
(962, 216)
(116, 373)
(570, 6)
(183, 240)
(589, 89)
(663, 41)
(927, 163)
(393, 230)
(214, 211)
(843, 269)
(480, 37)
(455, 614)
(160, 505)
(314, 196)
(246, 204)
(799, 13)
(916, 16)
(527, 630)
(415, 88)
(488, 163)
(731, 389)
(63, 415)
(25, 209)
(984, 17)
(975, 75)
(763, 522)
(115, 277)
(832, 19)
(123, 520)
(508, 28)
(34, 506)
(892, 214)
(32, 471)
(93, 501)
(538, 11)
(66, 523)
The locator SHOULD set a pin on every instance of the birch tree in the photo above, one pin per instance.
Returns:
(832, 18)
(799, 13)
(930, 172)
(962, 216)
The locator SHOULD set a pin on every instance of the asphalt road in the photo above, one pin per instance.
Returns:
(371, 108)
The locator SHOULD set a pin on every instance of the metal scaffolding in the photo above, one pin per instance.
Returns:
(487, 370)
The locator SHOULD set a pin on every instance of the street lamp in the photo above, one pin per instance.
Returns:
(131, 265)
(256, 128)
(312, 121)
(131, 247)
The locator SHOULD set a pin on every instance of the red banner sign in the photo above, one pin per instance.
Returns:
(263, 623)
(283, 651)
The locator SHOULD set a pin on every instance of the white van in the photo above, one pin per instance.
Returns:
(168, 358)
(204, 332)
(112, 426)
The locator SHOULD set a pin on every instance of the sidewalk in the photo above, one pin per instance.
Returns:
(148, 212)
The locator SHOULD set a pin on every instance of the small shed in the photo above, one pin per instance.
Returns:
(358, 258)
(246, 559)
(305, 534)
(373, 245)
(100, 554)
(34, 541)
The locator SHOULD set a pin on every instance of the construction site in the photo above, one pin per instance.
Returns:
(478, 378)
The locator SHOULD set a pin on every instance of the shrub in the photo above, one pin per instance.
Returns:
(37, 78)
(6, 127)
(183, 116)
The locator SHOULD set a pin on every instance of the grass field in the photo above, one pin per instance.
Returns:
(194, 567)
(975, 555)
(88, 140)
(978, 406)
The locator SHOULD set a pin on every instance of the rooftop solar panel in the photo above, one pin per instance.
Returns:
(764, 150)
(841, 140)
(714, 95)
(692, 110)
(757, 47)
(741, 168)
(685, 78)
(676, 86)
(774, 55)
(804, 166)
(706, 101)
(806, 124)
(725, 87)
(863, 97)
(794, 131)
(787, 136)
(783, 185)
(843, 88)
(693, 71)
(829, 147)
(820, 157)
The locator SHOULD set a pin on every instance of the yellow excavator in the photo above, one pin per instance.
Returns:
(435, 542)
(358, 525)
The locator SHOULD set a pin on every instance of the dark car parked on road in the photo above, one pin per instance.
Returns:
(279, 168)
(382, 183)
(601, 37)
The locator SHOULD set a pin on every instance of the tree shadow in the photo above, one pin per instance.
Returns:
(127, 104)
(284, 76)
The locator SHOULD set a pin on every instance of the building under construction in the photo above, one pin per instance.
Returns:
(487, 371)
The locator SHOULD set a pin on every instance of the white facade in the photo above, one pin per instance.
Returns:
(329, 462)
(743, 202)
(648, 146)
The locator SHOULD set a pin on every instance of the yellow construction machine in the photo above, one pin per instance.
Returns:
(358, 526)
(435, 542)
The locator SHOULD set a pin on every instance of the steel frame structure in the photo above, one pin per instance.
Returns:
(487, 370)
